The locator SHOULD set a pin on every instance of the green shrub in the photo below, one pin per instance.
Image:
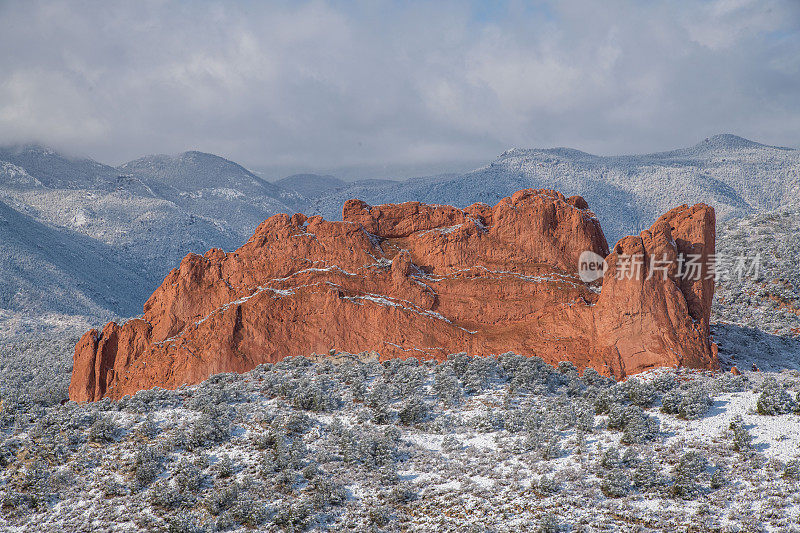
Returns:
(147, 465)
(222, 498)
(792, 470)
(616, 483)
(774, 400)
(640, 393)
(413, 411)
(548, 523)
(742, 440)
(641, 428)
(102, 430)
(647, 475)
(208, 430)
(691, 465)
(691, 404)
(610, 458)
(547, 486)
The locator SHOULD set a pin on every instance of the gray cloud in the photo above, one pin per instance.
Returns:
(325, 84)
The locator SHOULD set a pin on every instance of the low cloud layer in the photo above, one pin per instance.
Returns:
(328, 84)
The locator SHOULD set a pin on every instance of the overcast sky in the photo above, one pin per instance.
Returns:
(329, 84)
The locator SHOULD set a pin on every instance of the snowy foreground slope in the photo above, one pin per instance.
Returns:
(494, 444)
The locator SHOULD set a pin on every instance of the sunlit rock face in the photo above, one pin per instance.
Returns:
(424, 281)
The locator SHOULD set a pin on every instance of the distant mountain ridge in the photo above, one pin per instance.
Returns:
(734, 175)
(149, 212)
(58, 171)
(153, 210)
(194, 171)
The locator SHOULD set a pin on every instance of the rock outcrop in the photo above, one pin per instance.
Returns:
(415, 280)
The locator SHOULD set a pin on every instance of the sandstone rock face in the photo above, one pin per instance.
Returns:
(415, 280)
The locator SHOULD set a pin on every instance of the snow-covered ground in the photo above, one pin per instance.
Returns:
(497, 444)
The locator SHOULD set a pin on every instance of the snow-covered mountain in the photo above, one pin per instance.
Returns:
(629, 192)
(314, 187)
(149, 212)
(197, 171)
(16, 177)
(51, 270)
(214, 190)
(55, 170)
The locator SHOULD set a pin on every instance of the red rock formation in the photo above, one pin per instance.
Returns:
(416, 280)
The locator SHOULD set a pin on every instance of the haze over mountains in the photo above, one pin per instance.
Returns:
(313, 186)
(136, 221)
